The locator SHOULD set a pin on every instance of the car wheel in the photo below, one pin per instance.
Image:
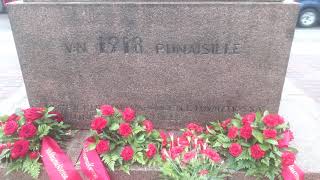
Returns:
(308, 18)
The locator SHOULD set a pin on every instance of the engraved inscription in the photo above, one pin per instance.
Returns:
(111, 44)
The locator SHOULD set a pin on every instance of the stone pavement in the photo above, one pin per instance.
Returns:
(300, 102)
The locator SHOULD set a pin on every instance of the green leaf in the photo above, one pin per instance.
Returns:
(126, 168)
(31, 167)
(265, 113)
(139, 158)
(43, 130)
(51, 108)
(114, 127)
(99, 113)
(238, 116)
(272, 141)
(236, 123)
(258, 135)
(140, 118)
(92, 146)
(265, 146)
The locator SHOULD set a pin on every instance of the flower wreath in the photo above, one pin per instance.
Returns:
(23, 134)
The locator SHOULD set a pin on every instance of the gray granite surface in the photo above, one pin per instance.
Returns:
(176, 62)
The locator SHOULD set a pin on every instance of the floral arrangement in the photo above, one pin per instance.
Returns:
(121, 138)
(188, 156)
(256, 143)
(21, 134)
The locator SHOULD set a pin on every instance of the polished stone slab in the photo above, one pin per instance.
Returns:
(175, 62)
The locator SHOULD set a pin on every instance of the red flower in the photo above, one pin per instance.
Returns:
(13, 117)
(225, 123)
(163, 154)
(212, 154)
(57, 116)
(127, 153)
(107, 110)
(195, 127)
(269, 133)
(98, 124)
(248, 118)
(128, 114)
(27, 131)
(125, 129)
(233, 132)
(188, 156)
(182, 141)
(33, 113)
(256, 152)
(103, 146)
(287, 158)
(10, 127)
(33, 154)
(164, 138)
(246, 132)
(203, 172)
(20, 149)
(175, 151)
(273, 120)
(187, 134)
(151, 151)
(235, 149)
(148, 126)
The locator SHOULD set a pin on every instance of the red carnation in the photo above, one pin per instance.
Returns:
(187, 134)
(272, 120)
(235, 149)
(34, 113)
(233, 132)
(287, 158)
(151, 151)
(195, 127)
(148, 126)
(248, 118)
(125, 129)
(102, 146)
(212, 154)
(107, 110)
(225, 123)
(269, 133)
(20, 149)
(128, 114)
(175, 151)
(13, 117)
(246, 132)
(127, 153)
(33, 154)
(203, 172)
(256, 152)
(188, 156)
(164, 138)
(10, 127)
(98, 124)
(27, 131)
(163, 154)
(57, 116)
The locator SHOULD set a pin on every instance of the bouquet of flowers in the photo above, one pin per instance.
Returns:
(121, 138)
(21, 135)
(255, 143)
(188, 157)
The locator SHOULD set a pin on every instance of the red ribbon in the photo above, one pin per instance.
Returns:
(56, 163)
(91, 164)
(292, 172)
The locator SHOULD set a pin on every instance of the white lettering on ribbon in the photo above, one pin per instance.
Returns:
(56, 163)
(88, 164)
(294, 172)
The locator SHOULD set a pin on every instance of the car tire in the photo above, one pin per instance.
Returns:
(308, 18)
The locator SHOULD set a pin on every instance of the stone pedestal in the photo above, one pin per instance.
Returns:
(176, 62)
